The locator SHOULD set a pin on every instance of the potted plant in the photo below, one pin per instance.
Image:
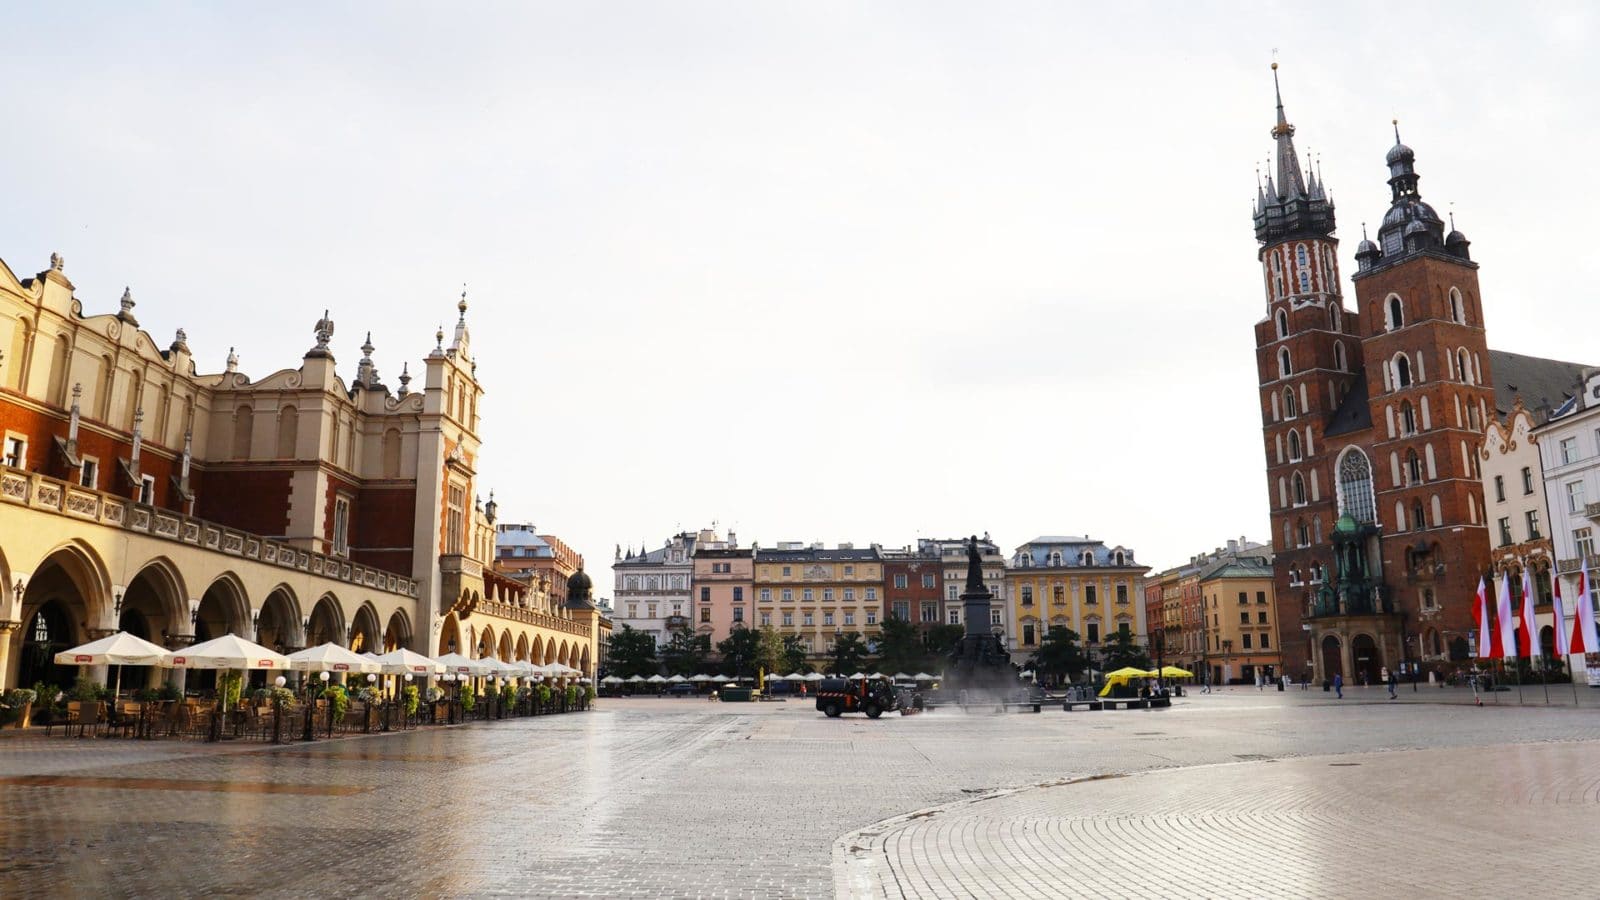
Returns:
(469, 700)
(570, 696)
(338, 701)
(19, 705)
(411, 698)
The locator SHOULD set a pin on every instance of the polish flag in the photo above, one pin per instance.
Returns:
(1502, 614)
(1563, 646)
(1488, 647)
(1584, 637)
(1530, 623)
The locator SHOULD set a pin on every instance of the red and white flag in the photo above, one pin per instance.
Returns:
(1584, 637)
(1504, 629)
(1559, 610)
(1529, 640)
(1487, 646)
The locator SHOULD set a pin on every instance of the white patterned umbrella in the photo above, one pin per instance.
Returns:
(120, 649)
(227, 652)
(331, 657)
(702, 678)
(403, 662)
(656, 679)
(677, 679)
(463, 665)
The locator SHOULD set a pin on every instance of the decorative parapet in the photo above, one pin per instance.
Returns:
(530, 617)
(38, 492)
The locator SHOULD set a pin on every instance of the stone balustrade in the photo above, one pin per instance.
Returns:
(39, 492)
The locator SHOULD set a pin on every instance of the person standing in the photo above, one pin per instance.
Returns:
(1394, 682)
(1338, 685)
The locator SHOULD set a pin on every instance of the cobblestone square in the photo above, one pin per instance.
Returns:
(1234, 794)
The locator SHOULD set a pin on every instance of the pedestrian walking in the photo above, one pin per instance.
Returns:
(1394, 681)
(1338, 684)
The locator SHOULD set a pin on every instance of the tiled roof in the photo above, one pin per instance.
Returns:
(1539, 382)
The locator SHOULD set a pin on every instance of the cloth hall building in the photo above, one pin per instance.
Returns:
(1374, 410)
(292, 509)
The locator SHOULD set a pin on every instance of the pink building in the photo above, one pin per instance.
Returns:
(723, 587)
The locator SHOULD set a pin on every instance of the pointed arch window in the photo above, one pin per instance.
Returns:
(1283, 324)
(1285, 367)
(1408, 418)
(1294, 446)
(1417, 522)
(1300, 257)
(1463, 366)
(1299, 490)
(1338, 356)
(1305, 281)
(1355, 487)
(1396, 314)
(1291, 406)
(1457, 308)
(1402, 371)
(1413, 468)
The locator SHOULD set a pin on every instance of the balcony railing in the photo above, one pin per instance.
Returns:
(1568, 566)
(1592, 510)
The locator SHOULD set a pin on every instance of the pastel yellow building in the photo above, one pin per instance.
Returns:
(817, 593)
(1078, 583)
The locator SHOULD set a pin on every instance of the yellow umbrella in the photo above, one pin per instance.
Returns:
(1175, 672)
(1130, 672)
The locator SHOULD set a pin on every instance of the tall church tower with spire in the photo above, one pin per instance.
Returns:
(1308, 359)
(1373, 423)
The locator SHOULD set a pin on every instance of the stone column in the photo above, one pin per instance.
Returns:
(1348, 657)
(8, 627)
(101, 672)
(180, 677)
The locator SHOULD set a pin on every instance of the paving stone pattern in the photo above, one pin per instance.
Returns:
(682, 798)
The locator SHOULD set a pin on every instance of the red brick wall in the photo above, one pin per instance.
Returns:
(383, 521)
(41, 430)
(256, 501)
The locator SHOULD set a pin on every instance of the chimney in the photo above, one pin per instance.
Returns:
(1233, 546)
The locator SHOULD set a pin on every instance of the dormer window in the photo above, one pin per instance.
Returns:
(1088, 558)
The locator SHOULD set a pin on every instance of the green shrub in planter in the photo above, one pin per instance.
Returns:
(229, 687)
(469, 700)
(411, 697)
(572, 695)
(86, 689)
(508, 695)
(169, 691)
(588, 693)
(544, 694)
(338, 700)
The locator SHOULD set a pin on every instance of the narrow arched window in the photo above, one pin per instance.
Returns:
(1457, 309)
(1413, 468)
(1305, 281)
(1417, 523)
(1402, 371)
(1283, 324)
(1338, 356)
(1294, 445)
(1299, 490)
(1463, 367)
(1397, 318)
(1291, 406)
(1408, 418)
(1285, 369)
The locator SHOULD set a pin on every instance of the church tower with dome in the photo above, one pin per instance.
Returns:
(1373, 421)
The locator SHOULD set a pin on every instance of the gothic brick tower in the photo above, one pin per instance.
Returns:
(1308, 357)
(1431, 396)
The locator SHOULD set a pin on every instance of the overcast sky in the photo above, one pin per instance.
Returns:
(819, 271)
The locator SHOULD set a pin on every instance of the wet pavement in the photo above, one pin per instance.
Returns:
(1253, 792)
